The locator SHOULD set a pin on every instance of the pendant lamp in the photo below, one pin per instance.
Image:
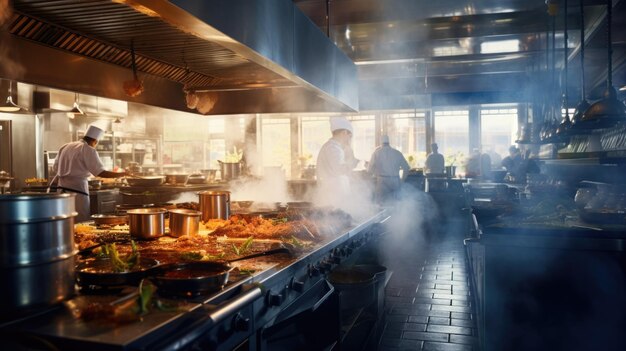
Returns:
(8, 105)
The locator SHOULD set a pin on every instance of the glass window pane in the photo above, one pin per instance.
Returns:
(276, 143)
(452, 135)
(498, 132)
(407, 133)
(217, 151)
(315, 132)
(364, 138)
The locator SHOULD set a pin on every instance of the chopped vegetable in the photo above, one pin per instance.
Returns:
(244, 247)
(119, 263)
(191, 256)
(146, 291)
(276, 221)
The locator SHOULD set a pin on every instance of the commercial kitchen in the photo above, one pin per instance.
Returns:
(210, 228)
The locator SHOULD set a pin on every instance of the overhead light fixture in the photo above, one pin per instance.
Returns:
(117, 120)
(76, 110)
(9, 105)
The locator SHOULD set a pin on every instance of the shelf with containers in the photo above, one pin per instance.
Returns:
(119, 149)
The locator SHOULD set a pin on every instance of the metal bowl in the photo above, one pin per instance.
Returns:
(197, 179)
(176, 178)
(95, 184)
(100, 219)
(145, 181)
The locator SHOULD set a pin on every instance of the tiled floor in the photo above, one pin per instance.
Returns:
(428, 299)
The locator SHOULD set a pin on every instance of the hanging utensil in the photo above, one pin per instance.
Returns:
(583, 105)
(133, 87)
(562, 131)
(608, 111)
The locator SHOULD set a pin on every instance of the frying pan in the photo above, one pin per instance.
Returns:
(197, 278)
(93, 272)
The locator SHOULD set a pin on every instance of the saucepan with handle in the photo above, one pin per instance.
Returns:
(200, 277)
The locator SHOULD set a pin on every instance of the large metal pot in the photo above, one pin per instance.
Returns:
(214, 204)
(36, 250)
(184, 222)
(146, 223)
(35, 286)
(36, 228)
(230, 170)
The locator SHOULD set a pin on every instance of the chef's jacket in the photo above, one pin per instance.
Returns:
(385, 165)
(75, 162)
(435, 163)
(333, 173)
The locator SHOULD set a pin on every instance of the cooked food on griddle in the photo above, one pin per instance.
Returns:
(245, 226)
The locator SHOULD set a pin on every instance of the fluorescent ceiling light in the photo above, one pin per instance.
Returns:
(498, 46)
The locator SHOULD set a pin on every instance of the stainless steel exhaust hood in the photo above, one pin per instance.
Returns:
(246, 56)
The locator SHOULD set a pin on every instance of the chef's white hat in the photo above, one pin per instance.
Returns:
(94, 132)
(340, 123)
(384, 139)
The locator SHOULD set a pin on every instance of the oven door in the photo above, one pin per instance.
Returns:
(312, 322)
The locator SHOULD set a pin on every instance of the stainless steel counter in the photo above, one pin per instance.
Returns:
(261, 300)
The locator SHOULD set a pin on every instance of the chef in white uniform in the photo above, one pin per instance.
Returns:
(75, 162)
(335, 163)
(385, 166)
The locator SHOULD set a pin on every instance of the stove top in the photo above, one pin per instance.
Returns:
(250, 300)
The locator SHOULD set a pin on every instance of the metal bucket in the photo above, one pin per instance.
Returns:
(214, 204)
(184, 222)
(36, 250)
(380, 273)
(357, 288)
(146, 223)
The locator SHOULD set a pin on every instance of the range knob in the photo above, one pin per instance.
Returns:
(297, 285)
(314, 271)
(240, 323)
(275, 299)
(325, 267)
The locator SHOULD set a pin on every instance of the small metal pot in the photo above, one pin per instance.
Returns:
(184, 222)
(230, 170)
(146, 223)
(214, 204)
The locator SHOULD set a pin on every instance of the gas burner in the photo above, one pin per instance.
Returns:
(104, 290)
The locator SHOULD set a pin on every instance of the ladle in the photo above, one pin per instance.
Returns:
(562, 131)
(607, 111)
(583, 105)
